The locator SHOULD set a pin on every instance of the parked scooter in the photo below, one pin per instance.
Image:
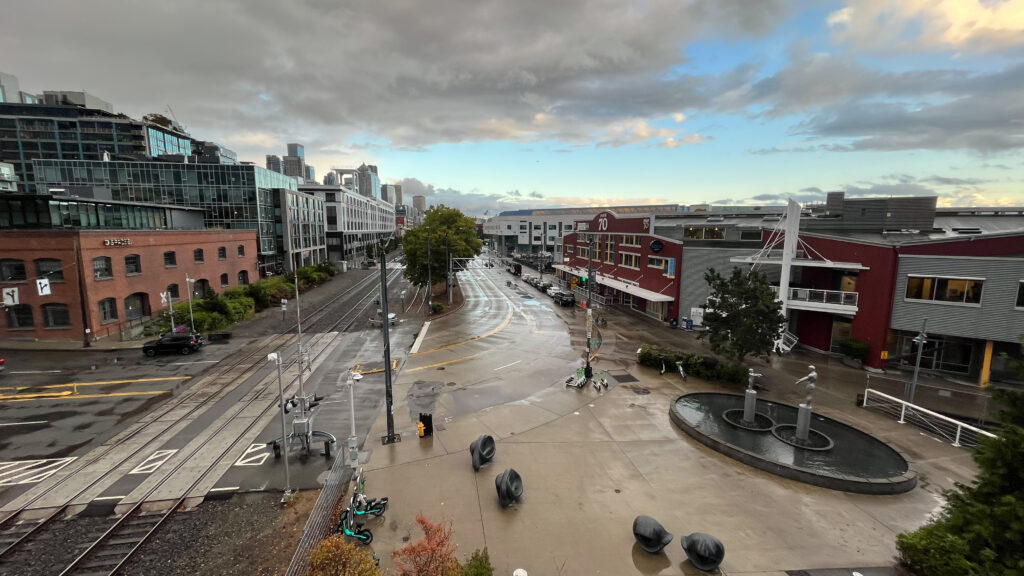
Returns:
(357, 531)
(362, 506)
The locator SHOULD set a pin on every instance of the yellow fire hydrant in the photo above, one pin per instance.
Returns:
(421, 429)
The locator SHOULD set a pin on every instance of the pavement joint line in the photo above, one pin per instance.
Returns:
(25, 423)
(67, 395)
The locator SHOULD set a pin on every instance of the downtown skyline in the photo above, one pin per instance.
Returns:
(577, 103)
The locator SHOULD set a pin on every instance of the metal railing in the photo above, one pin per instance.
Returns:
(838, 297)
(944, 427)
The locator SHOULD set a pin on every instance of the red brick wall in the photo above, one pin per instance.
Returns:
(153, 279)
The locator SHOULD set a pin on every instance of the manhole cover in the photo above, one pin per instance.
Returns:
(450, 384)
(640, 391)
(625, 378)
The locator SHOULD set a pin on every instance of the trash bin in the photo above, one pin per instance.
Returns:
(673, 323)
(426, 424)
(689, 324)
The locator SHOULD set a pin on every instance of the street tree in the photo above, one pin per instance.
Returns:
(980, 530)
(742, 315)
(441, 224)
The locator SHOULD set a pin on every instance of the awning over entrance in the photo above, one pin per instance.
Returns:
(571, 270)
(634, 290)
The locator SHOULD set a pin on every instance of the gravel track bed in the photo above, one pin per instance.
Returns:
(51, 550)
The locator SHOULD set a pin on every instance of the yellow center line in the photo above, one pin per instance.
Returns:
(446, 362)
(72, 384)
(67, 395)
(504, 324)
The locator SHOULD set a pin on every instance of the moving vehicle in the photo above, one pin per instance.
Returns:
(183, 344)
(3, 365)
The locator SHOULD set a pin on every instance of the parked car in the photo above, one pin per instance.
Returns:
(175, 343)
(564, 298)
(543, 286)
(3, 365)
(529, 279)
(552, 290)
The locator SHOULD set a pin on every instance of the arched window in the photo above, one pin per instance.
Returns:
(56, 316)
(132, 264)
(102, 268)
(50, 268)
(222, 253)
(12, 270)
(202, 286)
(19, 317)
(108, 310)
(135, 305)
(197, 256)
(170, 259)
(241, 250)
(243, 278)
(223, 280)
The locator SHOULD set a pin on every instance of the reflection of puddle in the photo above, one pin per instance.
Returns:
(422, 397)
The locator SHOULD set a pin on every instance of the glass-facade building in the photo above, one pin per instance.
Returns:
(167, 143)
(233, 196)
(35, 211)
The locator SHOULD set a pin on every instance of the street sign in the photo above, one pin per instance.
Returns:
(43, 284)
(11, 296)
(284, 304)
(163, 298)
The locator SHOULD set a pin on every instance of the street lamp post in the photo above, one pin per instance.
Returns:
(448, 268)
(391, 437)
(298, 323)
(353, 441)
(921, 339)
(430, 279)
(276, 359)
(588, 371)
(189, 283)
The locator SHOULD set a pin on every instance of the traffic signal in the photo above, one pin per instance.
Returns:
(583, 281)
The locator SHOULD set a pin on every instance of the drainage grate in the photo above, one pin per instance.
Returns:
(625, 378)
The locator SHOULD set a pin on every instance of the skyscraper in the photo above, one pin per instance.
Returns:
(274, 164)
(420, 203)
(310, 173)
(297, 150)
(294, 166)
(387, 193)
(398, 195)
(369, 182)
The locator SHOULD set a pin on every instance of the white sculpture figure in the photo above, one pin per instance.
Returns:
(810, 379)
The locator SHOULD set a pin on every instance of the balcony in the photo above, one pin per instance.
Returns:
(833, 301)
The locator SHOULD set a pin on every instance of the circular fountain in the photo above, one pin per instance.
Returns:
(793, 442)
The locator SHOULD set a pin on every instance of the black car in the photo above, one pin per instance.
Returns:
(543, 285)
(180, 343)
(564, 298)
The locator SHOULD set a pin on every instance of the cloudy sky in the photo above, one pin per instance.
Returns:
(496, 105)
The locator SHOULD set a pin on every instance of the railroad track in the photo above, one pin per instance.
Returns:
(111, 549)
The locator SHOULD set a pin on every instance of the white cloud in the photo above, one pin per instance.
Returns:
(958, 25)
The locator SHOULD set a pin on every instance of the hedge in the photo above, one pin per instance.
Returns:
(704, 367)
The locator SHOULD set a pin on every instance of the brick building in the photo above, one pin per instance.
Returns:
(125, 273)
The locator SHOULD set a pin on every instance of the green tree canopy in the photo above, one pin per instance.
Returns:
(743, 315)
(440, 224)
(980, 531)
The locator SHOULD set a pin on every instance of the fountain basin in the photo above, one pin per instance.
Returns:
(857, 462)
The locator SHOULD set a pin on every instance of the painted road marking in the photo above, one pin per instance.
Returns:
(37, 372)
(30, 471)
(25, 423)
(507, 365)
(225, 488)
(108, 498)
(67, 395)
(196, 362)
(254, 455)
(104, 383)
(447, 362)
(419, 339)
(154, 461)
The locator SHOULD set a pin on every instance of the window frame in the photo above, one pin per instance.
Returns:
(934, 284)
(127, 267)
(241, 250)
(110, 268)
(222, 253)
(54, 276)
(104, 318)
(47, 309)
(174, 259)
(1019, 303)
(12, 312)
(13, 261)
(198, 256)
(224, 280)
(623, 256)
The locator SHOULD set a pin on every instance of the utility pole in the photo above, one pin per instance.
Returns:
(430, 286)
(391, 437)
(81, 294)
(588, 371)
(298, 320)
(448, 268)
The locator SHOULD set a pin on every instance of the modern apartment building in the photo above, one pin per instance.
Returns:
(274, 164)
(8, 180)
(234, 196)
(353, 220)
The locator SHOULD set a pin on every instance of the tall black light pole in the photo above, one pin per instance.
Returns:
(588, 371)
(448, 268)
(391, 437)
(430, 286)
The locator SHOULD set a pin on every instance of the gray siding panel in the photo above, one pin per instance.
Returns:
(694, 290)
(995, 319)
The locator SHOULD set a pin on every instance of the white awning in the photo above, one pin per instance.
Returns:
(571, 270)
(634, 290)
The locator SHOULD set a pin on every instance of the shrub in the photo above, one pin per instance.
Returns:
(310, 276)
(699, 366)
(434, 555)
(854, 348)
(337, 556)
(240, 308)
(327, 268)
(436, 307)
(479, 564)
(260, 294)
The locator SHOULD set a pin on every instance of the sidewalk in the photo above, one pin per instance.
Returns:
(591, 461)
